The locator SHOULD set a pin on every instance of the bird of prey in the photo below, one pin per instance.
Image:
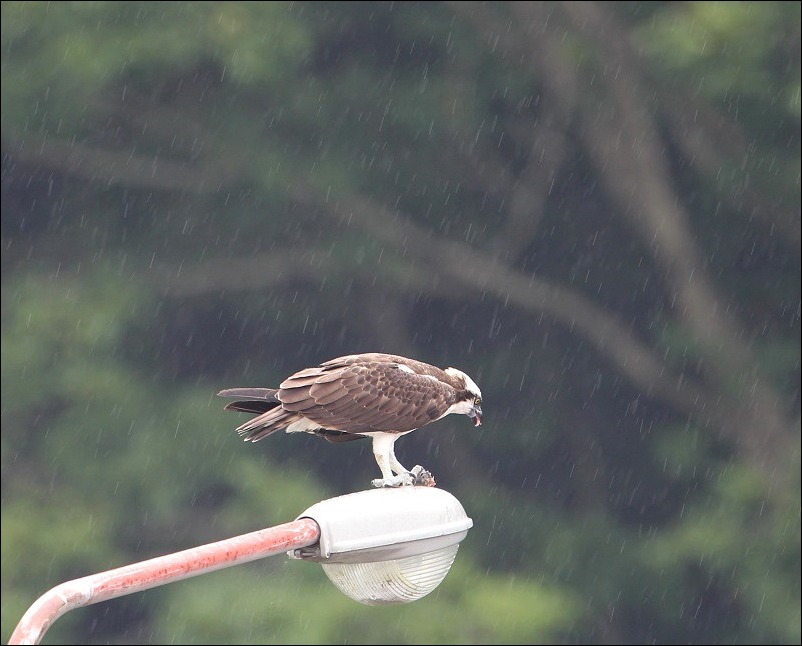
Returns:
(381, 396)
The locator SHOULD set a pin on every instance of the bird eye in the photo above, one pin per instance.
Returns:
(477, 400)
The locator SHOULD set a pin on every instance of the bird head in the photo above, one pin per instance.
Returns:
(470, 397)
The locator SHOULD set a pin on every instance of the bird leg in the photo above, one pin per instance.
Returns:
(388, 463)
(384, 452)
(395, 465)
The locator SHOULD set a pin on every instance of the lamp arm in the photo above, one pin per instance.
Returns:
(158, 571)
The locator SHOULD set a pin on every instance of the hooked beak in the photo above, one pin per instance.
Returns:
(476, 415)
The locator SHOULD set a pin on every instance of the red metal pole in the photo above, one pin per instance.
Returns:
(158, 571)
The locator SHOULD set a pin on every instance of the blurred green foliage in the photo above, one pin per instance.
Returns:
(740, 51)
(600, 514)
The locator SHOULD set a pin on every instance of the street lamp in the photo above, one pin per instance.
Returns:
(380, 547)
(387, 546)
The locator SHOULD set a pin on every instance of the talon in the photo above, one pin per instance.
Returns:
(401, 480)
(404, 480)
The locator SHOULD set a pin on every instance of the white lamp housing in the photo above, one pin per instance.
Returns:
(387, 546)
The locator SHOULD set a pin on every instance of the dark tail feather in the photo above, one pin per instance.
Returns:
(338, 436)
(254, 400)
(262, 401)
(251, 406)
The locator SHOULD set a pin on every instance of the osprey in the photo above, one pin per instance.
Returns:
(381, 396)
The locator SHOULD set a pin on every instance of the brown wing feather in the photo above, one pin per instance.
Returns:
(365, 393)
(328, 392)
(293, 395)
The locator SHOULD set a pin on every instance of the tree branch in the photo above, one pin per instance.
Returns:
(624, 145)
(113, 167)
(710, 143)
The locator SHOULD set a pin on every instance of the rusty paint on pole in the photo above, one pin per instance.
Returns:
(158, 571)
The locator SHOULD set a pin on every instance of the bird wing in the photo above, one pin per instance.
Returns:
(366, 393)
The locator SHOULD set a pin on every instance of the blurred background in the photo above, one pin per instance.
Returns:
(591, 208)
